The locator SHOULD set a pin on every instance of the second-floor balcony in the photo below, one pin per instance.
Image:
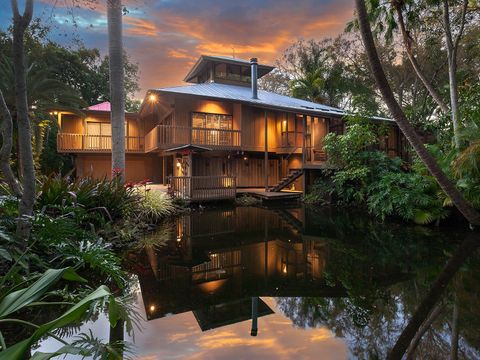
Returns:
(166, 136)
(161, 137)
(67, 142)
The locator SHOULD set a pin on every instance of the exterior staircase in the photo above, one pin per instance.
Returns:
(290, 178)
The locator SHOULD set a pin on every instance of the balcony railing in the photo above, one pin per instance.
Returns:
(203, 188)
(165, 136)
(96, 143)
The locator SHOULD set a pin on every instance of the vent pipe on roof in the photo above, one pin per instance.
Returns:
(253, 75)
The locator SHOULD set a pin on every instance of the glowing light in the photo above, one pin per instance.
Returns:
(179, 239)
(284, 269)
(152, 308)
(152, 97)
(245, 158)
(51, 113)
(55, 113)
(178, 164)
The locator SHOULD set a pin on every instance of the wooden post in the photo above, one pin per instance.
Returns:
(163, 170)
(266, 150)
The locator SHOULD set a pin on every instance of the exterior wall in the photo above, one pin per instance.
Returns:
(253, 129)
(138, 167)
(249, 172)
(74, 124)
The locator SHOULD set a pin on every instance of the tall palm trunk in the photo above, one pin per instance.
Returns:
(20, 24)
(407, 129)
(117, 92)
(452, 47)
(6, 133)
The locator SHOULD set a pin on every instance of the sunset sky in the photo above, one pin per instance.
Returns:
(166, 36)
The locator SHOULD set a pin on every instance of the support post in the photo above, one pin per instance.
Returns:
(254, 330)
(266, 150)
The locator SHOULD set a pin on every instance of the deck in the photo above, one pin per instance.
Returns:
(268, 196)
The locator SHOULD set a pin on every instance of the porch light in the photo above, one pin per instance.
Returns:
(55, 113)
(50, 113)
(284, 268)
(152, 308)
(178, 164)
(179, 239)
(245, 158)
(152, 97)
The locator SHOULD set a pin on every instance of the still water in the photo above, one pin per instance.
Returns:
(310, 283)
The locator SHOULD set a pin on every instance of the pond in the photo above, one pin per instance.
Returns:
(304, 283)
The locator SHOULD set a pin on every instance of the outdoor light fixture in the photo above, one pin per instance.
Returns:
(152, 97)
(55, 112)
(51, 113)
(152, 308)
(245, 158)
(284, 270)
(178, 164)
(179, 239)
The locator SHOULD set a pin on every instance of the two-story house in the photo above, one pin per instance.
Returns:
(217, 134)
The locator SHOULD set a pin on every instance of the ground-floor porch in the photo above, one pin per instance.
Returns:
(208, 175)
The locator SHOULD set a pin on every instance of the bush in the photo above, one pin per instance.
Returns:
(246, 200)
(154, 205)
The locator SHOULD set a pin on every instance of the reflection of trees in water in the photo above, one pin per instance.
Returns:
(366, 258)
(372, 328)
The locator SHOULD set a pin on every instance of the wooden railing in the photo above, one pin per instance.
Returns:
(203, 188)
(165, 136)
(95, 143)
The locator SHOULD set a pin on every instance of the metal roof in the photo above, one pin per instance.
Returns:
(265, 99)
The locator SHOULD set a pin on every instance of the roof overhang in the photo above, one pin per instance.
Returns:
(204, 60)
(189, 148)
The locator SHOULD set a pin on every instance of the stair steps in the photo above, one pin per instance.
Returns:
(283, 183)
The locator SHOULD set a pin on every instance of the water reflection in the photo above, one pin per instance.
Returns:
(311, 283)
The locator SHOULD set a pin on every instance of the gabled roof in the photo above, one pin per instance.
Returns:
(204, 60)
(104, 106)
(266, 99)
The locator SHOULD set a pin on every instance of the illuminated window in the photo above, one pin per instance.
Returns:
(212, 121)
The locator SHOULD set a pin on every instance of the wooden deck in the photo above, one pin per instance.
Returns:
(268, 196)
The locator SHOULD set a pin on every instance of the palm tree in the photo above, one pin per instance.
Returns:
(20, 24)
(117, 91)
(396, 111)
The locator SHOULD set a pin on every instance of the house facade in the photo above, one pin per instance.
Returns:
(217, 134)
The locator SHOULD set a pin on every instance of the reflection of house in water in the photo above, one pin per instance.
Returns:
(215, 261)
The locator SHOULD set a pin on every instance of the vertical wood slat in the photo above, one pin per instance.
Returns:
(203, 188)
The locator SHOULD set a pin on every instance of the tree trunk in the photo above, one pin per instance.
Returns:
(6, 132)
(452, 46)
(454, 339)
(413, 61)
(438, 287)
(20, 24)
(117, 92)
(407, 129)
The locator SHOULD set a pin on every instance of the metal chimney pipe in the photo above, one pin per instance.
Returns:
(254, 65)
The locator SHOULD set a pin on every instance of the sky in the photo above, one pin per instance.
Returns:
(165, 37)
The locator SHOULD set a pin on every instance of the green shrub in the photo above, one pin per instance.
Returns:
(407, 195)
(154, 205)
(246, 200)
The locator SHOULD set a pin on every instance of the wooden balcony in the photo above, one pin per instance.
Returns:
(203, 188)
(96, 143)
(167, 136)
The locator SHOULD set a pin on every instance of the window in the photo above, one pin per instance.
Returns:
(233, 72)
(212, 121)
(246, 74)
(206, 129)
(221, 71)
